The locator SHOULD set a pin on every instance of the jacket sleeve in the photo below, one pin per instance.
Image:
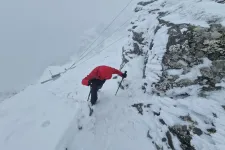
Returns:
(92, 75)
(116, 71)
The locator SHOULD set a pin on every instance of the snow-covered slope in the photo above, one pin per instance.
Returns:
(149, 111)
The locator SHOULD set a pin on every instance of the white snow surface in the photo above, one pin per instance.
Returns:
(47, 116)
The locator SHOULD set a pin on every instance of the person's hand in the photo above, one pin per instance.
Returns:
(89, 82)
(124, 75)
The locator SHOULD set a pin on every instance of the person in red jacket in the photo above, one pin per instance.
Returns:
(97, 78)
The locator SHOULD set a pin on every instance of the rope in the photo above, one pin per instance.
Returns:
(112, 33)
(106, 38)
(101, 50)
(101, 34)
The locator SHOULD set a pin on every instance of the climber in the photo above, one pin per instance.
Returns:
(97, 78)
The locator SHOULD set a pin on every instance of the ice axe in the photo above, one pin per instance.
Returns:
(120, 83)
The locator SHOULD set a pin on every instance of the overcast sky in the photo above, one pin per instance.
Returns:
(37, 33)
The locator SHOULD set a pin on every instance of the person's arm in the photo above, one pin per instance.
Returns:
(116, 71)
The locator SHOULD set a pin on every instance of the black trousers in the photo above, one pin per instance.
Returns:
(95, 86)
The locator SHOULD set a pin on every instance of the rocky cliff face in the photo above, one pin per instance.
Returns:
(183, 65)
(194, 56)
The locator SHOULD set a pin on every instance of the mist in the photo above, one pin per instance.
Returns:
(37, 33)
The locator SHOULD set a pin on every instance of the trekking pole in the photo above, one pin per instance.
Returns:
(89, 94)
(120, 83)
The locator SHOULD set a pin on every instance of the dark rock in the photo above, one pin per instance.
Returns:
(220, 1)
(148, 105)
(183, 135)
(153, 11)
(146, 3)
(170, 141)
(139, 107)
(162, 122)
(137, 50)
(197, 131)
(164, 139)
(151, 45)
(148, 135)
(156, 114)
(162, 14)
(143, 88)
(134, 27)
(80, 127)
(214, 115)
(137, 9)
(156, 29)
(214, 56)
(183, 95)
(144, 69)
(223, 107)
(211, 130)
(138, 37)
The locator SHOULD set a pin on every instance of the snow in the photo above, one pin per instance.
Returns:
(175, 71)
(29, 118)
(194, 12)
(50, 116)
(195, 71)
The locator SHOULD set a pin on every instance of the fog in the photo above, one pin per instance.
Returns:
(37, 33)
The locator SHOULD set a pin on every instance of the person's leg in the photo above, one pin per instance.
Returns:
(100, 83)
(94, 94)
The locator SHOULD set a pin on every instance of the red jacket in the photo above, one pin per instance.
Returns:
(101, 73)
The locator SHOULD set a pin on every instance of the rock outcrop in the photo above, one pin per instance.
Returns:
(195, 56)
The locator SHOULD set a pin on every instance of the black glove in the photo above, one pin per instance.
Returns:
(124, 75)
(89, 82)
